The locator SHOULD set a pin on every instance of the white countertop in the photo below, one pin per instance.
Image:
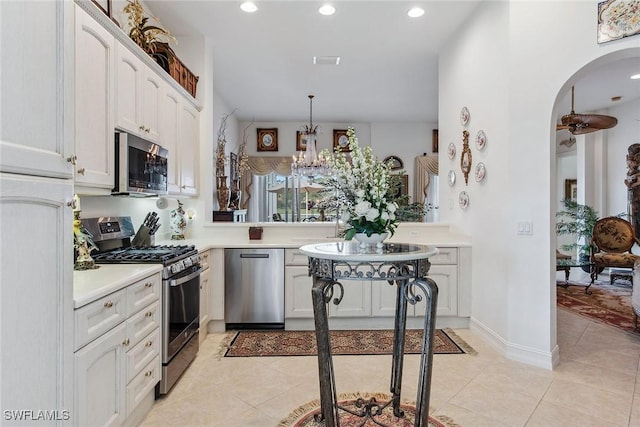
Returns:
(90, 285)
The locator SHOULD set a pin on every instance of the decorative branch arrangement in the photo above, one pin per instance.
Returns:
(243, 157)
(221, 158)
(145, 36)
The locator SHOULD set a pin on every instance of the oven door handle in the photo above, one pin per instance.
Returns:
(182, 280)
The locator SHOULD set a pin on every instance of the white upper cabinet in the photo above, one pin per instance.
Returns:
(169, 117)
(188, 145)
(179, 131)
(137, 96)
(94, 165)
(36, 88)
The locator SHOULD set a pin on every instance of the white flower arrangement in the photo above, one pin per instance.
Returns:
(365, 190)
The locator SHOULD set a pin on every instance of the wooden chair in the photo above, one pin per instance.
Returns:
(611, 245)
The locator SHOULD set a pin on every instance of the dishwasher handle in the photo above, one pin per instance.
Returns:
(254, 255)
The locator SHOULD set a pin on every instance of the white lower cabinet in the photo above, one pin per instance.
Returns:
(117, 357)
(216, 290)
(297, 292)
(100, 376)
(366, 299)
(205, 275)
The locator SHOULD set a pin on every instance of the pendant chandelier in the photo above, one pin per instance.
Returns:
(309, 163)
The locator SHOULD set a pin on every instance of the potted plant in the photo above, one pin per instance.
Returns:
(578, 220)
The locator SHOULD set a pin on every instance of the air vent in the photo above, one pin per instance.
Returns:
(326, 60)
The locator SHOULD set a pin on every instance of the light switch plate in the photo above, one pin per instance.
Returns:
(525, 228)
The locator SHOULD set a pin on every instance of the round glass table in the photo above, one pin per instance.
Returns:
(405, 266)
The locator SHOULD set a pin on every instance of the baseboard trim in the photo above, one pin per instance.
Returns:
(516, 352)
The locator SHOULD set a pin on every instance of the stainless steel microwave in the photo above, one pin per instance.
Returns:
(141, 166)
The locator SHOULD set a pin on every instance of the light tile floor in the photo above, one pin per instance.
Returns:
(596, 384)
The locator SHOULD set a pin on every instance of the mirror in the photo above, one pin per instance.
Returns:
(269, 196)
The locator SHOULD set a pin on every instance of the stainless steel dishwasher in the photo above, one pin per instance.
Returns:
(254, 288)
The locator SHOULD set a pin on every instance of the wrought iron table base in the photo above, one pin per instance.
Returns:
(323, 292)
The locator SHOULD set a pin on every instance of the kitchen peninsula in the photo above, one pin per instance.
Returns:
(366, 305)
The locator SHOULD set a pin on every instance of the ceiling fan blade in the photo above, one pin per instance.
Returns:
(579, 124)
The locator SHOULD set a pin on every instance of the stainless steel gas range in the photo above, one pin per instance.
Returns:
(180, 289)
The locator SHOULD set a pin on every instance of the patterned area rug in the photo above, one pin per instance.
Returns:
(363, 342)
(304, 415)
(610, 304)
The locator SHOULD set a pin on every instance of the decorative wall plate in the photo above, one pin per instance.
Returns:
(452, 178)
(464, 116)
(451, 150)
(463, 199)
(481, 171)
(481, 140)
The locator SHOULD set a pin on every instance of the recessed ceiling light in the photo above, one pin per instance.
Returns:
(635, 77)
(327, 9)
(249, 6)
(416, 12)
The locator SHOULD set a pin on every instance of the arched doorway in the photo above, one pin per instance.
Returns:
(597, 159)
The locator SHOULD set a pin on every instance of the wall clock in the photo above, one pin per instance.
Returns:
(396, 162)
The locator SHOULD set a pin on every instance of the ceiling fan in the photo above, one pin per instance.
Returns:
(568, 142)
(579, 124)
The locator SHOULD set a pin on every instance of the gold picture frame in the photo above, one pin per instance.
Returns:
(434, 141)
(341, 140)
(267, 139)
(571, 189)
(301, 140)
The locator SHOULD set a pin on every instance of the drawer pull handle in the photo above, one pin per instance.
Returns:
(81, 171)
(141, 127)
(149, 344)
(149, 313)
(126, 342)
(108, 304)
(148, 284)
(148, 373)
(72, 159)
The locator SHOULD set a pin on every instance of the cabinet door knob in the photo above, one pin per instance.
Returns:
(108, 304)
(126, 342)
(148, 373)
(141, 127)
(148, 284)
(147, 130)
(149, 313)
(149, 344)
(81, 171)
(183, 187)
(72, 159)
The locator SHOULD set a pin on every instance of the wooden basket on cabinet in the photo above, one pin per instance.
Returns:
(167, 59)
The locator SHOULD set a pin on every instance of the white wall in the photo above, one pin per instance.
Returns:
(508, 65)
(474, 73)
